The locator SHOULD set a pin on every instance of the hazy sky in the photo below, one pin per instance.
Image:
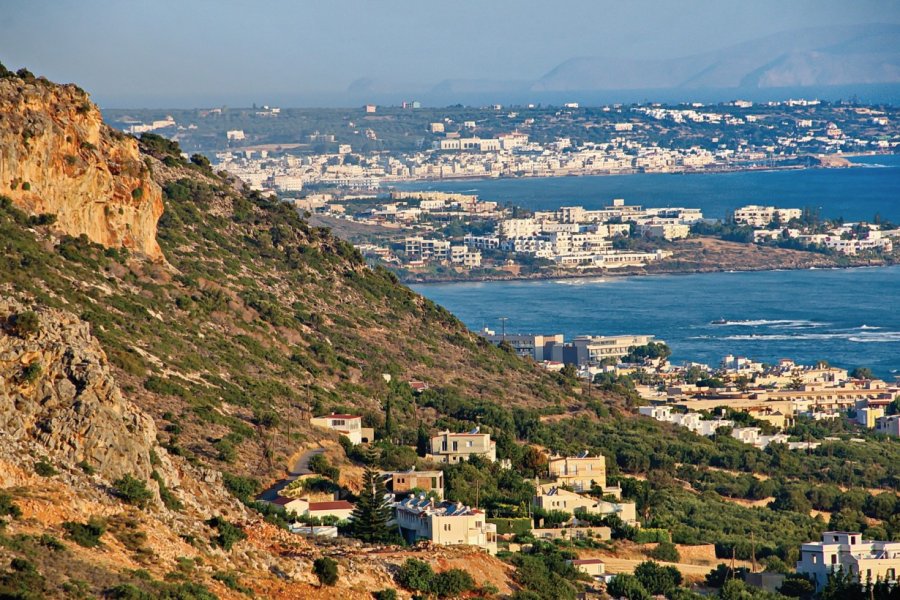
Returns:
(192, 52)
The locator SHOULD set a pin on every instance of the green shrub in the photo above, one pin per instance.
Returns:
(656, 578)
(627, 586)
(31, 372)
(133, 491)
(230, 580)
(665, 551)
(326, 569)
(85, 534)
(452, 582)
(385, 594)
(85, 467)
(44, 468)
(415, 575)
(24, 324)
(244, 488)
(169, 499)
(229, 534)
(7, 507)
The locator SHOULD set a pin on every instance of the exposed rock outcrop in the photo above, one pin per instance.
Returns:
(57, 393)
(57, 157)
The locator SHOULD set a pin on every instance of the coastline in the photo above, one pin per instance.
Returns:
(823, 163)
(639, 272)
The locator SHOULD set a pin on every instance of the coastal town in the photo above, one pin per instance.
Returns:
(375, 146)
(438, 234)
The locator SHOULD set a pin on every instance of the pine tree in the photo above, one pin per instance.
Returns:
(388, 419)
(423, 441)
(371, 514)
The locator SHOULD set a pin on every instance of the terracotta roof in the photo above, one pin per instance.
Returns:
(336, 505)
(587, 561)
(282, 501)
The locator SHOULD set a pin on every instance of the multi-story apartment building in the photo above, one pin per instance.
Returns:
(515, 228)
(418, 248)
(864, 560)
(445, 523)
(594, 348)
(664, 228)
(760, 216)
(533, 346)
(451, 448)
(581, 473)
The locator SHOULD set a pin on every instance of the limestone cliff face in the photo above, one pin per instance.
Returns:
(57, 394)
(57, 156)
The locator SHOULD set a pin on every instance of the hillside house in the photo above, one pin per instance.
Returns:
(452, 448)
(594, 567)
(349, 426)
(581, 472)
(554, 498)
(865, 560)
(445, 523)
(420, 481)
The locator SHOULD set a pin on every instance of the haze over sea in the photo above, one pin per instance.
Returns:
(849, 317)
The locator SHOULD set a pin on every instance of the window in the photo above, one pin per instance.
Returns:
(446, 526)
(455, 446)
(469, 444)
(834, 559)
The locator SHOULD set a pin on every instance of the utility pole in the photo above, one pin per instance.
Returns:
(752, 553)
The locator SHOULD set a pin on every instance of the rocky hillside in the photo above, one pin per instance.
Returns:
(138, 372)
(57, 157)
(56, 389)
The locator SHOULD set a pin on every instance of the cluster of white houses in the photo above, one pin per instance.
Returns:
(577, 486)
(422, 513)
(702, 425)
(771, 223)
(573, 236)
(774, 394)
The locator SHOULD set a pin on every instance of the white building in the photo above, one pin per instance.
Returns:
(445, 523)
(452, 448)
(888, 425)
(347, 425)
(864, 560)
(761, 216)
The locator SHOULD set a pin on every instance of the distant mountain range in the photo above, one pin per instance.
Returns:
(816, 61)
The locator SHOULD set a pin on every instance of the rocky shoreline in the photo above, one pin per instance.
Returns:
(726, 257)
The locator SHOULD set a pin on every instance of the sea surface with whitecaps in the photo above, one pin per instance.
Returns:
(849, 317)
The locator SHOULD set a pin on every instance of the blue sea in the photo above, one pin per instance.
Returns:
(849, 317)
(854, 194)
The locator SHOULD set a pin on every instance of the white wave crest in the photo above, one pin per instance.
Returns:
(786, 323)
